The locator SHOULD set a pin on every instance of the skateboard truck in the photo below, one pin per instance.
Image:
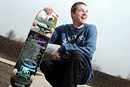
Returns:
(24, 71)
(43, 28)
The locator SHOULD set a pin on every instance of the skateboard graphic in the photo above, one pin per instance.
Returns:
(33, 49)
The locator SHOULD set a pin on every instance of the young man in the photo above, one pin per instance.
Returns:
(78, 43)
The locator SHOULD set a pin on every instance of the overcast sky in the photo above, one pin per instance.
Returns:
(112, 18)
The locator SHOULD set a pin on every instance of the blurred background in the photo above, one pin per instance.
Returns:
(112, 18)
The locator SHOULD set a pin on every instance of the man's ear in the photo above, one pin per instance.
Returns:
(72, 14)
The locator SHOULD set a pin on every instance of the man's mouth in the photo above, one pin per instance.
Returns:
(83, 17)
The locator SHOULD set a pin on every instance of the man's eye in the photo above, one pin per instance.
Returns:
(81, 10)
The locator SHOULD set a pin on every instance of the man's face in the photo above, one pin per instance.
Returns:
(80, 15)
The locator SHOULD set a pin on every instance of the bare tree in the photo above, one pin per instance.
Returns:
(128, 76)
(11, 34)
(21, 40)
(119, 76)
(95, 66)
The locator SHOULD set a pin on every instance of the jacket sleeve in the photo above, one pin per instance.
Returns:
(90, 46)
(55, 39)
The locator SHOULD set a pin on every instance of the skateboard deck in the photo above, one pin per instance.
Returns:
(33, 49)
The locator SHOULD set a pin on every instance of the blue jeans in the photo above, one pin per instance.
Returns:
(66, 72)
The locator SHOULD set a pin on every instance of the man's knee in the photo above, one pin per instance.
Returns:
(77, 55)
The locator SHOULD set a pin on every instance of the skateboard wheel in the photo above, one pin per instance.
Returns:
(52, 30)
(14, 71)
(35, 23)
(32, 78)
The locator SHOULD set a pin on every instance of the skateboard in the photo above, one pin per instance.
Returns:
(33, 49)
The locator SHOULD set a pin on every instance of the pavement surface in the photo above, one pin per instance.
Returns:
(39, 80)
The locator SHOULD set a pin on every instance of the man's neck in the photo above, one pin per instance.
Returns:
(78, 26)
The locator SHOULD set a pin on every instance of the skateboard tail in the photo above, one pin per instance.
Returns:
(22, 82)
(19, 85)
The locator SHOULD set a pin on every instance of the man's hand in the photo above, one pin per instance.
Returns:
(48, 10)
(59, 51)
(55, 55)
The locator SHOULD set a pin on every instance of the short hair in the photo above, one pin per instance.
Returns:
(74, 6)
